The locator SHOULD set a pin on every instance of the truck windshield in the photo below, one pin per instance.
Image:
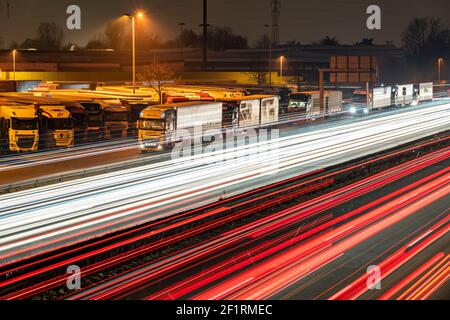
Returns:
(60, 124)
(116, 116)
(24, 124)
(359, 98)
(91, 108)
(150, 124)
(300, 97)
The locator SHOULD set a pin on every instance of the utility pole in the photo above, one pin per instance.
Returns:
(269, 27)
(275, 12)
(182, 25)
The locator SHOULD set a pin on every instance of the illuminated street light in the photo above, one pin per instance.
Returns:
(440, 60)
(281, 67)
(14, 53)
(139, 14)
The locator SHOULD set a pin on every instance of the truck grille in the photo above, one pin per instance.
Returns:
(25, 142)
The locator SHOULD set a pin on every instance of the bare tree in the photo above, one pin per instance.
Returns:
(329, 41)
(157, 74)
(263, 42)
(50, 36)
(116, 35)
(425, 34)
(258, 77)
(96, 44)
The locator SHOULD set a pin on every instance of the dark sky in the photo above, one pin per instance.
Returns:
(302, 20)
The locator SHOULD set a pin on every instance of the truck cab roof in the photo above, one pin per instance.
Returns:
(55, 111)
(17, 111)
(250, 97)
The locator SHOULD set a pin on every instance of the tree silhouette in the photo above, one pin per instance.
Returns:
(115, 35)
(425, 40)
(49, 37)
(329, 41)
(259, 77)
(263, 42)
(157, 74)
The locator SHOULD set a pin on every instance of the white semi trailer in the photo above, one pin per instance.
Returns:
(382, 97)
(425, 92)
(250, 111)
(308, 103)
(404, 95)
(158, 124)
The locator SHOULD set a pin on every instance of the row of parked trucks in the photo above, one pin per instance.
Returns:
(61, 118)
(158, 125)
(391, 96)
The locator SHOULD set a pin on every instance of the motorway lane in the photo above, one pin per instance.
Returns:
(287, 276)
(169, 285)
(45, 218)
(336, 275)
(27, 167)
(16, 169)
(207, 262)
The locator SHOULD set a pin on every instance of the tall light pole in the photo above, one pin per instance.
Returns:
(133, 40)
(14, 53)
(269, 27)
(281, 67)
(440, 60)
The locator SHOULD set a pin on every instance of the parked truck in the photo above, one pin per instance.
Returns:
(158, 124)
(19, 130)
(403, 95)
(94, 112)
(56, 126)
(250, 111)
(382, 98)
(77, 111)
(308, 103)
(116, 119)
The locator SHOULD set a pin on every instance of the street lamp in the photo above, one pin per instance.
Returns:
(281, 67)
(440, 60)
(139, 14)
(14, 53)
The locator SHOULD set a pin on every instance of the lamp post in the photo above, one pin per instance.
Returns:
(133, 35)
(281, 67)
(440, 60)
(14, 53)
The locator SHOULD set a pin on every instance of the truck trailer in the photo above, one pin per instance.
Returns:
(308, 103)
(158, 124)
(250, 111)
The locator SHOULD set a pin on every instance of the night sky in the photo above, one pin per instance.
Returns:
(301, 20)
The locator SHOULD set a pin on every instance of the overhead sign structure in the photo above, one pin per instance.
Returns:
(349, 69)
(353, 69)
